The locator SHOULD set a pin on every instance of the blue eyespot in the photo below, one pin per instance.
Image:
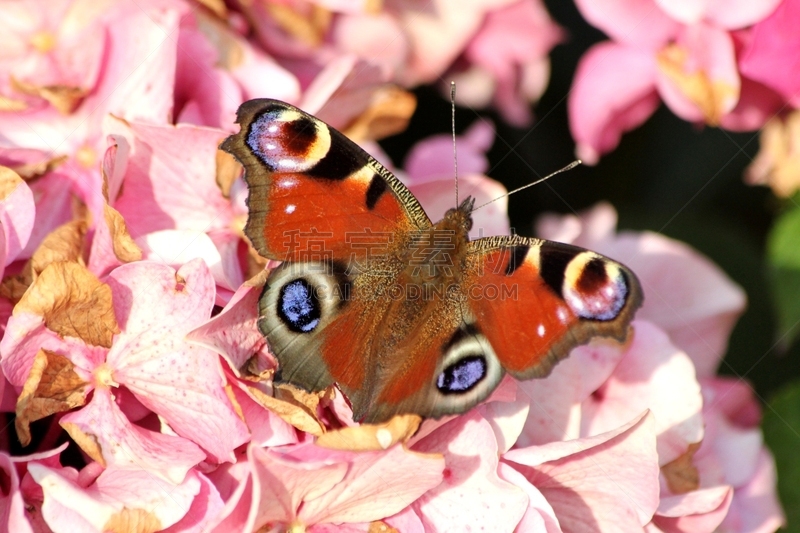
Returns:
(298, 306)
(462, 376)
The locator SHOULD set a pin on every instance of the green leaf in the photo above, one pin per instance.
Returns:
(783, 254)
(782, 434)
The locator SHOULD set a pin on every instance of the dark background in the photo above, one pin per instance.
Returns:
(668, 176)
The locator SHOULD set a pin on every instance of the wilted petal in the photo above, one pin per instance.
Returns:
(613, 92)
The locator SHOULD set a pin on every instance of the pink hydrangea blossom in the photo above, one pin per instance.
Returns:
(708, 61)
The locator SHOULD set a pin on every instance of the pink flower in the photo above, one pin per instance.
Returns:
(688, 54)
(307, 486)
(507, 60)
(132, 338)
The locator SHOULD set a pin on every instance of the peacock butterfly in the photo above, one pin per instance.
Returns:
(405, 316)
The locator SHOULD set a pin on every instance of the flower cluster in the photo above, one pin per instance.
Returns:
(132, 368)
(727, 64)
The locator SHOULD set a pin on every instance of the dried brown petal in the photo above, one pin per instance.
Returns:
(63, 244)
(31, 171)
(297, 407)
(228, 169)
(380, 526)
(367, 437)
(9, 181)
(681, 474)
(133, 521)
(125, 248)
(65, 99)
(73, 303)
(389, 111)
(52, 387)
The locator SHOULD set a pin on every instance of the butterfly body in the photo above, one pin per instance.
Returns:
(404, 315)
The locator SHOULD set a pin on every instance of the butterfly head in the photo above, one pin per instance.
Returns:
(459, 219)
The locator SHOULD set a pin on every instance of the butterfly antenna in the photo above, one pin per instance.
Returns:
(559, 171)
(453, 129)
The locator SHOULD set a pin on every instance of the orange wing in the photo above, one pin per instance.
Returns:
(536, 300)
(312, 190)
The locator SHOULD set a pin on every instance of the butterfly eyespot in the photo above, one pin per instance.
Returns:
(299, 306)
(594, 288)
(288, 141)
(463, 375)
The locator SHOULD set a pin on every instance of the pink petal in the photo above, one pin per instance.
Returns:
(177, 247)
(507, 418)
(439, 196)
(233, 333)
(12, 505)
(708, 58)
(70, 507)
(539, 516)
(205, 507)
(699, 511)
(266, 428)
(363, 494)
(613, 92)
(432, 158)
(555, 402)
(511, 40)
(17, 212)
(654, 375)
(603, 483)
(200, 84)
(438, 36)
(357, 34)
(147, 295)
(728, 14)
(406, 521)
(638, 22)
(170, 180)
(757, 104)
(156, 307)
(282, 484)
(124, 445)
(688, 296)
(755, 506)
(470, 478)
(772, 55)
